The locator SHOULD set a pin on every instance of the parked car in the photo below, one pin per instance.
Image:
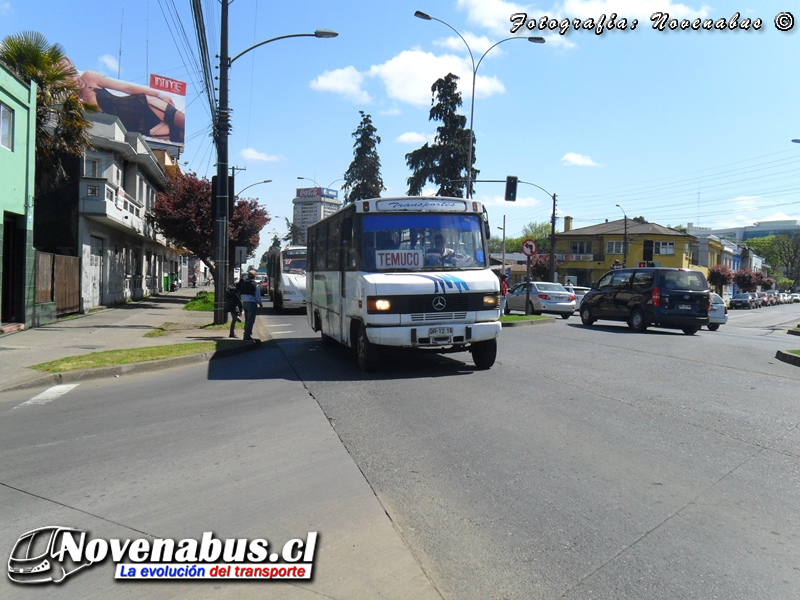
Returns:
(717, 313)
(745, 300)
(774, 297)
(764, 298)
(579, 292)
(657, 296)
(796, 297)
(545, 297)
(786, 298)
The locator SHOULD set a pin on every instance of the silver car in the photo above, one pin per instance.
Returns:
(545, 297)
(718, 313)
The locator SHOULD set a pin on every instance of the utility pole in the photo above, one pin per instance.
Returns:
(221, 192)
(553, 241)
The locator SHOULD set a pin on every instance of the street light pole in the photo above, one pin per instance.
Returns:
(536, 40)
(624, 239)
(552, 230)
(220, 210)
(239, 193)
(503, 267)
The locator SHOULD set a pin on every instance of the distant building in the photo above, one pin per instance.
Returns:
(312, 205)
(104, 217)
(742, 234)
(586, 253)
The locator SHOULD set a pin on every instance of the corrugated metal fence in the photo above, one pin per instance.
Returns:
(58, 279)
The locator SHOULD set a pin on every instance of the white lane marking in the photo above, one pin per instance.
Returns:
(281, 332)
(50, 394)
(279, 325)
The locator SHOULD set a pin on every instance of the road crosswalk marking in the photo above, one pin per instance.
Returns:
(50, 394)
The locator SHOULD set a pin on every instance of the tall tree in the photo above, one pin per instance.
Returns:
(719, 276)
(183, 214)
(62, 127)
(362, 180)
(443, 163)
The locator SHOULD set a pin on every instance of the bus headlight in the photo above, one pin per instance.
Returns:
(378, 305)
(491, 301)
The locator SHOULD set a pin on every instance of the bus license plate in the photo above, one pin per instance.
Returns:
(435, 331)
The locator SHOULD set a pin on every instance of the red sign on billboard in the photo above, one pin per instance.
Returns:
(173, 86)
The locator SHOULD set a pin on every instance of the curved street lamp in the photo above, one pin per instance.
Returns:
(220, 236)
(309, 179)
(536, 40)
(239, 193)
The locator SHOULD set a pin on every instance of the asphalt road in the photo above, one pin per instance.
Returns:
(588, 462)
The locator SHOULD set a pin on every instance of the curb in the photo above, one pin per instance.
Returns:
(793, 331)
(531, 322)
(788, 357)
(142, 367)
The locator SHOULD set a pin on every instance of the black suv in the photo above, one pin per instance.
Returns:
(658, 296)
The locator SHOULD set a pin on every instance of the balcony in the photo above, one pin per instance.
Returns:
(104, 202)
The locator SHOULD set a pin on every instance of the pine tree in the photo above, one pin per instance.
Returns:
(363, 177)
(443, 163)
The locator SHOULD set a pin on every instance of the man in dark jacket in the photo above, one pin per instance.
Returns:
(233, 306)
(250, 294)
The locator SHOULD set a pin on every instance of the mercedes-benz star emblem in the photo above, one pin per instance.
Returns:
(439, 303)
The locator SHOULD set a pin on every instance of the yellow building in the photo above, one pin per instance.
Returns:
(588, 252)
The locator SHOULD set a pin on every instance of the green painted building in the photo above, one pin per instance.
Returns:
(17, 162)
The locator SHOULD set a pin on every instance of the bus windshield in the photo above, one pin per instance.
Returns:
(431, 241)
(294, 261)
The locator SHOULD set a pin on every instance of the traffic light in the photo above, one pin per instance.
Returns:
(511, 188)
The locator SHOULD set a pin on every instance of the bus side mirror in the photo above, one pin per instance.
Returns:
(486, 228)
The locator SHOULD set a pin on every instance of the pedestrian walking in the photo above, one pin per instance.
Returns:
(503, 292)
(250, 294)
(233, 306)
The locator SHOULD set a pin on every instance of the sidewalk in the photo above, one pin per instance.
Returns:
(116, 328)
(368, 558)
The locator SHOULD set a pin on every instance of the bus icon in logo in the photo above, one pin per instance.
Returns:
(38, 556)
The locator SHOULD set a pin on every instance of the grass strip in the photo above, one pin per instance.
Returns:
(797, 352)
(110, 358)
(202, 301)
(512, 318)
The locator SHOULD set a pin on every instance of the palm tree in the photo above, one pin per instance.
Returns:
(62, 127)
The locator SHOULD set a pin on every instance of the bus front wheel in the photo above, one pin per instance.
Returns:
(366, 351)
(484, 353)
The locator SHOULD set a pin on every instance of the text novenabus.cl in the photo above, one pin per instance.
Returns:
(49, 554)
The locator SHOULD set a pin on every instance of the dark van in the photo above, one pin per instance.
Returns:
(657, 296)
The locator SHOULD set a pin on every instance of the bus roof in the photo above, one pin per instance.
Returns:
(418, 204)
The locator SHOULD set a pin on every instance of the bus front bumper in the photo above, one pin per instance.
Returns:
(434, 336)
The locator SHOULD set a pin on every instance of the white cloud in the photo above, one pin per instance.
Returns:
(5, 7)
(578, 160)
(478, 44)
(346, 81)
(390, 112)
(255, 155)
(411, 137)
(408, 77)
(109, 63)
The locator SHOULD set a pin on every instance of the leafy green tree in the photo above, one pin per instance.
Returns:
(788, 251)
(766, 248)
(62, 127)
(362, 180)
(443, 163)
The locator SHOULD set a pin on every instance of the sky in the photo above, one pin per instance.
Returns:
(677, 126)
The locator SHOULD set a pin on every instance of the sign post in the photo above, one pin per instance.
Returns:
(529, 250)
